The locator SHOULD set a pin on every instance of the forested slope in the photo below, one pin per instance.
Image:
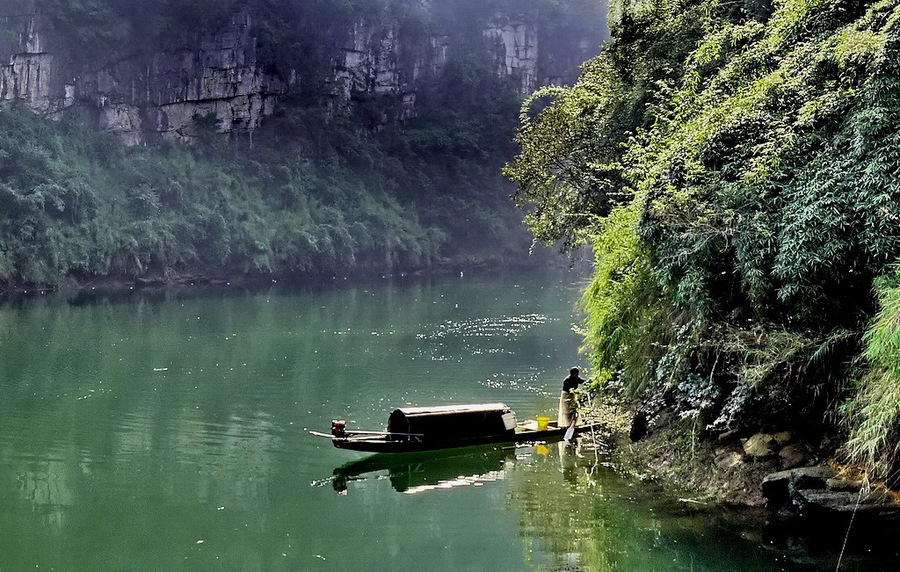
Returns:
(314, 195)
(735, 167)
(186, 138)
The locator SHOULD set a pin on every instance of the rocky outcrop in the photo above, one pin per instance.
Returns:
(28, 76)
(780, 445)
(145, 95)
(166, 93)
(820, 492)
(172, 89)
(371, 62)
(513, 42)
(376, 59)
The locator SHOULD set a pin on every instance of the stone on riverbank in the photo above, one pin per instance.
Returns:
(814, 492)
(760, 445)
(729, 458)
(794, 455)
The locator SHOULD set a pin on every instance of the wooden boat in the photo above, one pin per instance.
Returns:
(414, 429)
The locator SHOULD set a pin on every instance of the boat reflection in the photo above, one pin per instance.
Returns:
(411, 474)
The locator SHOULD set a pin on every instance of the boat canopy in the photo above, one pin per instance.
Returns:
(452, 422)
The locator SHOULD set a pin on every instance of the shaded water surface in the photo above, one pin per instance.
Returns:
(169, 432)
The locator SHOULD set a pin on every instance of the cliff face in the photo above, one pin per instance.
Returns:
(144, 93)
(163, 94)
(28, 75)
(513, 43)
(142, 96)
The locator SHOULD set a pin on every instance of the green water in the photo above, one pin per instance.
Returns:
(169, 432)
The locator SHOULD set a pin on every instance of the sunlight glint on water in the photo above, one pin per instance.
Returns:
(169, 432)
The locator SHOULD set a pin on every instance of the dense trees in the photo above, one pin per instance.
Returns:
(314, 195)
(327, 185)
(734, 165)
(78, 205)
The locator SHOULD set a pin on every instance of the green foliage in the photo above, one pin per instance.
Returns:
(754, 147)
(755, 163)
(569, 168)
(874, 414)
(76, 205)
(628, 319)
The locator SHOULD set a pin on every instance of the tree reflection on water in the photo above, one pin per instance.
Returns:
(577, 513)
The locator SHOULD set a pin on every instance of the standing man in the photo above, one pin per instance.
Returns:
(567, 411)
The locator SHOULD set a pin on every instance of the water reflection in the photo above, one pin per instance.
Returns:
(577, 513)
(411, 474)
(476, 336)
(574, 512)
(168, 433)
(44, 482)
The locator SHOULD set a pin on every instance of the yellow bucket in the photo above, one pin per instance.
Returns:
(542, 423)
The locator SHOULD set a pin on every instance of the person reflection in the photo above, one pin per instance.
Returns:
(339, 482)
(568, 461)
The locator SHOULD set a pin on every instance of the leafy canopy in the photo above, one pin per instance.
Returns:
(752, 148)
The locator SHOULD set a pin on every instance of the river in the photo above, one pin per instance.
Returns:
(169, 431)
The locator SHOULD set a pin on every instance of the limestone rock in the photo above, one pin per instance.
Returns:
(843, 485)
(814, 492)
(783, 437)
(146, 94)
(811, 477)
(29, 76)
(781, 487)
(175, 87)
(760, 445)
(794, 455)
(729, 458)
(776, 488)
(515, 49)
(826, 502)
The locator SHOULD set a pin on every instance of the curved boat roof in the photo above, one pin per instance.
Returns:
(453, 409)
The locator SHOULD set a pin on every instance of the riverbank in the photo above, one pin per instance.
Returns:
(677, 460)
(119, 284)
(790, 478)
(675, 457)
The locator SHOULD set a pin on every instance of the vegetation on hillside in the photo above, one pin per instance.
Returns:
(314, 195)
(325, 187)
(78, 205)
(734, 165)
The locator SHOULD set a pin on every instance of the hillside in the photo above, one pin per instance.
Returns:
(220, 139)
(734, 165)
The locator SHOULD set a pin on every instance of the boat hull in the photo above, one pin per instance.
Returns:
(371, 444)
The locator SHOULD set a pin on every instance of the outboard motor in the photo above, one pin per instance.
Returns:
(339, 428)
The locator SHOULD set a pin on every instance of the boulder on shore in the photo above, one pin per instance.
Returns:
(760, 445)
(794, 455)
(813, 492)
